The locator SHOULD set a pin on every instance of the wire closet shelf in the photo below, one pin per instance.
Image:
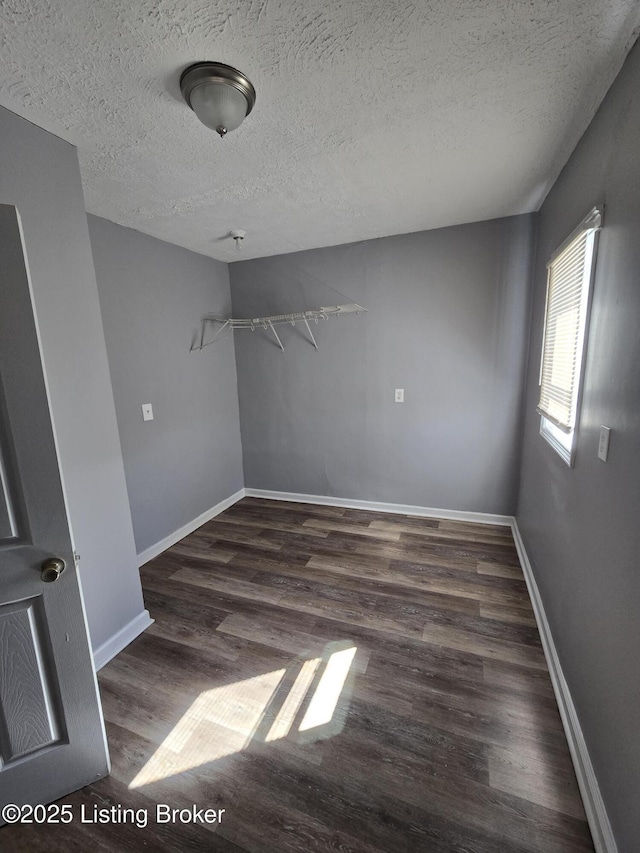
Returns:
(269, 323)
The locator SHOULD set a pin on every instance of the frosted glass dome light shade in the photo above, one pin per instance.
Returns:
(221, 96)
(219, 106)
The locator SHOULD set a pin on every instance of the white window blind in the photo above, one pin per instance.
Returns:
(568, 278)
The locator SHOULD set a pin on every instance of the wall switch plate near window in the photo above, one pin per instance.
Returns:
(147, 412)
(603, 445)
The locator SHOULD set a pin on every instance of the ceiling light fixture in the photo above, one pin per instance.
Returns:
(238, 235)
(221, 96)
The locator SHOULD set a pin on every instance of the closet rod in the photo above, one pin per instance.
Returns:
(266, 323)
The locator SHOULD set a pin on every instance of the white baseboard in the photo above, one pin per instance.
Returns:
(599, 824)
(400, 509)
(115, 644)
(177, 535)
(594, 807)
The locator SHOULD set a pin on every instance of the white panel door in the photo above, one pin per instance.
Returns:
(51, 729)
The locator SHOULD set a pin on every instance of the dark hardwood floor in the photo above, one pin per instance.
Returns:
(334, 680)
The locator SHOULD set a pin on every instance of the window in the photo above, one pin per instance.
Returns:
(569, 276)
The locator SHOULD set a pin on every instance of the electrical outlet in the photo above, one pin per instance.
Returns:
(399, 398)
(603, 444)
(147, 412)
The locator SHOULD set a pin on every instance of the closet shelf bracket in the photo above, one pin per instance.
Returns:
(268, 323)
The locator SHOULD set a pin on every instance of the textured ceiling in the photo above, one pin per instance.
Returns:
(373, 117)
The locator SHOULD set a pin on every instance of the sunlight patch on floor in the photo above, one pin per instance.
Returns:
(291, 705)
(223, 721)
(236, 709)
(324, 701)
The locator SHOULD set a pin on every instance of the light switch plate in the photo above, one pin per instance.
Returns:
(147, 412)
(399, 398)
(603, 445)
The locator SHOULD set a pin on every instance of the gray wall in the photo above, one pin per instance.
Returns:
(39, 174)
(152, 296)
(447, 320)
(580, 525)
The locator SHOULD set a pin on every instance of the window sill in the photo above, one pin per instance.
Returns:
(547, 431)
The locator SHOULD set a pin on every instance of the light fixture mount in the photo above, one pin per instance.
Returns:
(221, 96)
(238, 235)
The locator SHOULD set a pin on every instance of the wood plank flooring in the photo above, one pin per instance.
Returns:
(334, 680)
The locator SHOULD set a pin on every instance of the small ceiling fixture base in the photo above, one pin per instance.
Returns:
(221, 96)
(238, 235)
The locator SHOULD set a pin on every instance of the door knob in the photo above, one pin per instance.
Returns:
(52, 569)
